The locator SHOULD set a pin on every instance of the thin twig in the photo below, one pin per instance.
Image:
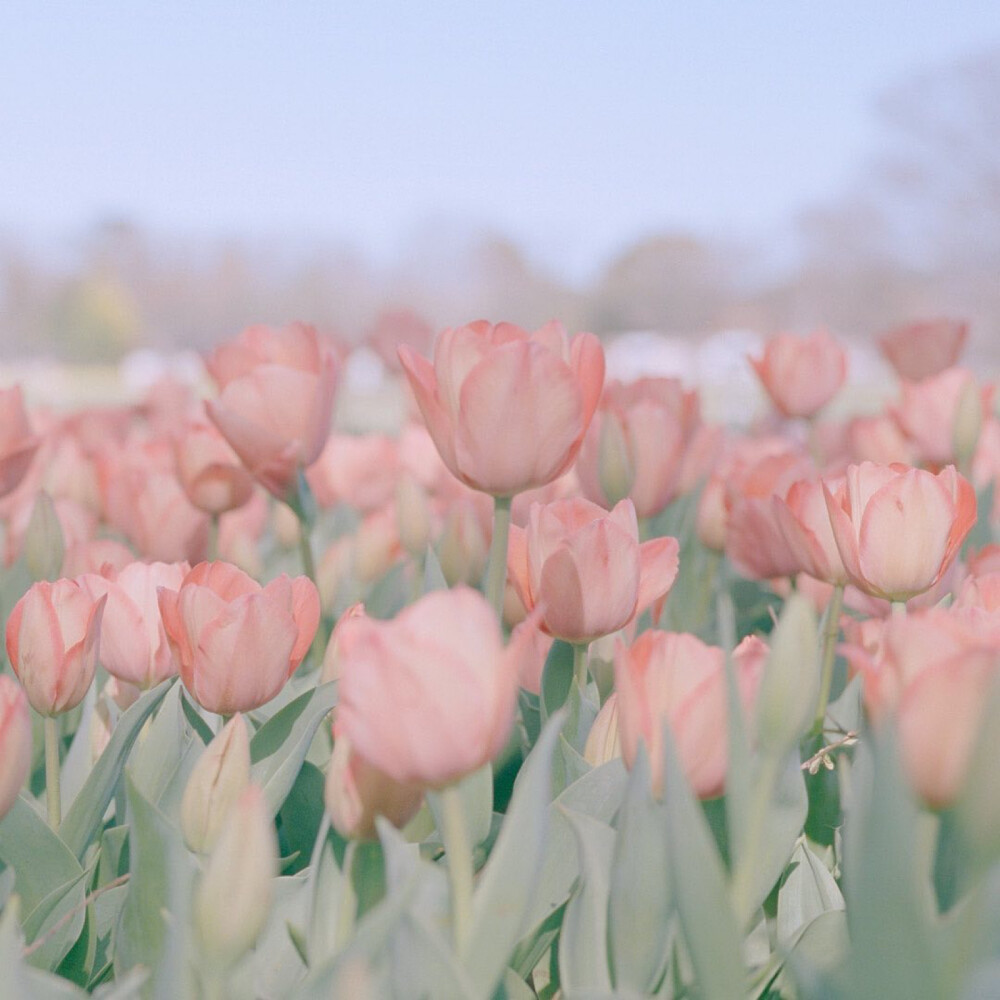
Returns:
(822, 756)
(67, 917)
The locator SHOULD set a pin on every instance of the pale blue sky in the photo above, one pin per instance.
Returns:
(575, 127)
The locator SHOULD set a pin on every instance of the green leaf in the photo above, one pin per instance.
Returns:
(301, 815)
(531, 715)
(807, 891)
(508, 880)
(18, 981)
(641, 906)
(583, 951)
(433, 574)
(557, 678)
(476, 792)
(49, 881)
(697, 874)
(326, 886)
(280, 746)
(513, 987)
(86, 814)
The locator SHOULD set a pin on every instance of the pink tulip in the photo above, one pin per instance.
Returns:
(801, 374)
(276, 403)
(920, 350)
(540, 389)
(899, 529)
(878, 439)
(238, 642)
(396, 327)
(17, 442)
(586, 568)
(15, 742)
(933, 672)
(429, 696)
(360, 470)
(134, 645)
(674, 678)
(209, 470)
(53, 635)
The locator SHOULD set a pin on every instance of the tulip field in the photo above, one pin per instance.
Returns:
(557, 689)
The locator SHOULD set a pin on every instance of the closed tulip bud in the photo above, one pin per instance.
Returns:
(464, 547)
(969, 414)
(15, 742)
(216, 783)
(603, 743)
(789, 690)
(233, 898)
(330, 670)
(44, 548)
(413, 516)
(614, 467)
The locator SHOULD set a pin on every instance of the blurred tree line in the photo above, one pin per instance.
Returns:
(917, 235)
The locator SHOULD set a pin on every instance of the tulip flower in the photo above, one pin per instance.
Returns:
(585, 566)
(429, 696)
(541, 389)
(276, 402)
(134, 645)
(801, 374)
(15, 742)
(674, 678)
(920, 350)
(17, 442)
(898, 529)
(238, 642)
(209, 470)
(53, 634)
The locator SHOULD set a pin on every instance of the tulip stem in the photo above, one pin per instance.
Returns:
(830, 633)
(580, 651)
(899, 609)
(52, 799)
(455, 834)
(213, 537)
(496, 571)
(305, 549)
(346, 912)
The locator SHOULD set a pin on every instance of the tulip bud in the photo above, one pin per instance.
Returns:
(15, 742)
(413, 516)
(218, 780)
(233, 898)
(968, 423)
(463, 548)
(286, 525)
(789, 691)
(43, 548)
(330, 670)
(603, 743)
(614, 467)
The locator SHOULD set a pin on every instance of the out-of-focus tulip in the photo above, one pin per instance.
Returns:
(801, 374)
(15, 742)
(934, 672)
(674, 678)
(943, 413)
(232, 899)
(920, 350)
(134, 645)
(603, 741)
(357, 792)
(43, 549)
(464, 545)
(330, 670)
(209, 470)
(215, 785)
(53, 635)
(878, 439)
(276, 403)
(898, 529)
(17, 442)
(360, 470)
(98, 555)
(413, 516)
(429, 696)
(542, 389)
(585, 567)
(376, 545)
(396, 327)
(238, 642)
(636, 442)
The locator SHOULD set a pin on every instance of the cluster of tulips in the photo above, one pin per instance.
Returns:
(545, 586)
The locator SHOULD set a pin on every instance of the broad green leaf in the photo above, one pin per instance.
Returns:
(508, 881)
(557, 678)
(326, 886)
(574, 765)
(697, 874)
(280, 746)
(18, 980)
(807, 890)
(531, 715)
(48, 880)
(513, 987)
(476, 792)
(86, 814)
(433, 574)
(640, 906)
(583, 951)
(301, 815)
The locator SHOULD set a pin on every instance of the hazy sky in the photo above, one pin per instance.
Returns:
(574, 127)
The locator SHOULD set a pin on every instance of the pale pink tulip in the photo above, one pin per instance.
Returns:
(540, 390)
(878, 439)
(395, 327)
(674, 678)
(429, 696)
(360, 470)
(209, 470)
(53, 635)
(17, 442)
(801, 374)
(586, 568)
(15, 742)
(238, 642)
(276, 403)
(898, 529)
(920, 350)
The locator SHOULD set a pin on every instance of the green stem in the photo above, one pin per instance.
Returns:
(899, 609)
(830, 633)
(496, 570)
(456, 844)
(580, 651)
(52, 799)
(305, 550)
(347, 909)
(213, 537)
